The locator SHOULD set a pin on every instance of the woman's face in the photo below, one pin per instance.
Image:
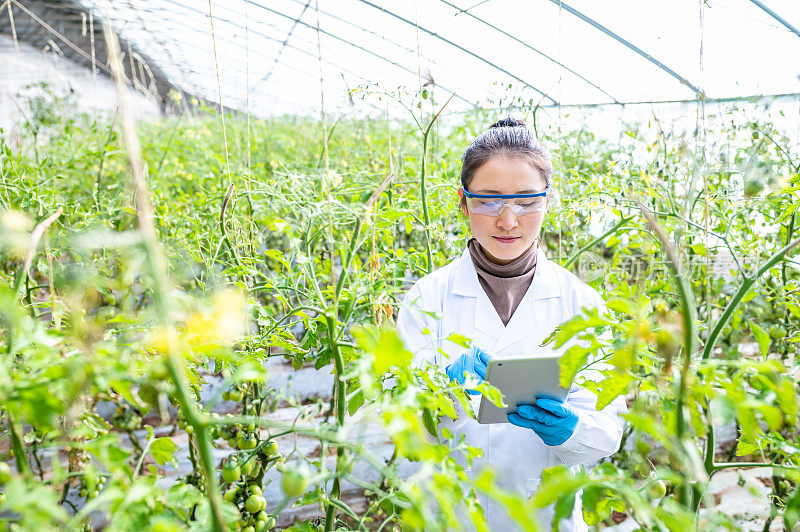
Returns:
(507, 236)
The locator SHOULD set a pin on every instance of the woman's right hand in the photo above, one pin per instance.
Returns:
(474, 362)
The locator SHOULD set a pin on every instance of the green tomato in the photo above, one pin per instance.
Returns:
(657, 489)
(230, 495)
(778, 332)
(5, 473)
(294, 482)
(270, 447)
(753, 187)
(235, 395)
(260, 526)
(255, 503)
(248, 529)
(248, 466)
(231, 473)
(254, 489)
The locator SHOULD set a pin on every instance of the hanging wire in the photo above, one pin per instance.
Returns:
(354, 45)
(701, 129)
(13, 26)
(526, 45)
(284, 44)
(560, 145)
(179, 22)
(419, 54)
(219, 94)
(52, 30)
(459, 47)
(411, 50)
(322, 96)
(247, 89)
(92, 46)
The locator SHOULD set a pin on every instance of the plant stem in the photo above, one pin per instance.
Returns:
(340, 412)
(737, 297)
(789, 234)
(596, 241)
(687, 303)
(727, 465)
(424, 196)
(158, 272)
(423, 187)
(16, 444)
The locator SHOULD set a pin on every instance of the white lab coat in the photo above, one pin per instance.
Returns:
(517, 454)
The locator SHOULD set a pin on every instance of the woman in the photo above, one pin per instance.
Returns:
(507, 297)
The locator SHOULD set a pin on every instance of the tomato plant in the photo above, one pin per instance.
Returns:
(111, 334)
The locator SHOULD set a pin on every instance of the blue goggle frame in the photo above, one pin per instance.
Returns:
(469, 194)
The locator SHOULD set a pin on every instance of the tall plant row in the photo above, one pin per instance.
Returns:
(122, 344)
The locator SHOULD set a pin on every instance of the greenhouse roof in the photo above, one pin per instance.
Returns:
(274, 57)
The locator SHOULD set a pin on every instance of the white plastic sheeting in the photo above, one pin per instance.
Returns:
(275, 56)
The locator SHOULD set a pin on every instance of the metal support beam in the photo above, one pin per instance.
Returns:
(403, 47)
(777, 17)
(526, 45)
(458, 46)
(359, 47)
(630, 45)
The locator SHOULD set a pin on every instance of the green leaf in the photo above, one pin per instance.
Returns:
(570, 362)
(125, 389)
(792, 513)
(575, 325)
(183, 496)
(491, 393)
(557, 482)
(745, 448)
(163, 450)
(623, 306)
(787, 400)
(460, 339)
(355, 402)
(788, 212)
(699, 248)
(389, 352)
(762, 337)
(613, 386)
(772, 415)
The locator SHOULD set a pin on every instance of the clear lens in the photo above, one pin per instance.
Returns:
(520, 206)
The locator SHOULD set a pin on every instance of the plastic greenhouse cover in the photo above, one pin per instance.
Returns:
(271, 55)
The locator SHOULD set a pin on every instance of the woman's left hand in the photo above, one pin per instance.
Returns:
(551, 419)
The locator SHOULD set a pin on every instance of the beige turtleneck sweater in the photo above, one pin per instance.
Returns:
(505, 284)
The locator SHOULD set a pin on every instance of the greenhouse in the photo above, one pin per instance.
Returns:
(433, 265)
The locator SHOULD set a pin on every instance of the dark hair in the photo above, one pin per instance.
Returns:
(510, 138)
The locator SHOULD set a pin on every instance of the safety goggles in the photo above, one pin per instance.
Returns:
(493, 204)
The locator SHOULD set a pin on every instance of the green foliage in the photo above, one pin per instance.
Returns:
(285, 254)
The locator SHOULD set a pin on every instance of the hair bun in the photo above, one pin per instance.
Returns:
(508, 122)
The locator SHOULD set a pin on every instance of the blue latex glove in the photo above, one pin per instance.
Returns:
(473, 362)
(550, 418)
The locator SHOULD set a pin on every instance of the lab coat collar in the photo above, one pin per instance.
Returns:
(544, 284)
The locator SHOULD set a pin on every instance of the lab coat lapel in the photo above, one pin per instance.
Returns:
(466, 284)
(531, 316)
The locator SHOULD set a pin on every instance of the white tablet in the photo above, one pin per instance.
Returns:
(520, 380)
